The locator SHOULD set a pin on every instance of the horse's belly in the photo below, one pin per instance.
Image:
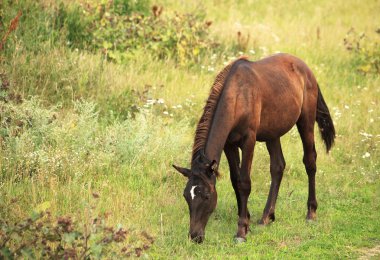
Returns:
(276, 121)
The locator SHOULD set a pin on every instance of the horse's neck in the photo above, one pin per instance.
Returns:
(219, 130)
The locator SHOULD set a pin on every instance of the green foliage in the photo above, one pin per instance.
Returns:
(40, 142)
(71, 22)
(126, 7)
(366, 51)
(120, 29)
(43, 236)
(184, 37)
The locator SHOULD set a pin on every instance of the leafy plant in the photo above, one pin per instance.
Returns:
(366, 51)
(184, 37)
(42, 235)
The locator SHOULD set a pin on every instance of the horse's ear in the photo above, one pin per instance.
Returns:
(185, 172)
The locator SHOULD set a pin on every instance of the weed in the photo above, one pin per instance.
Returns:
(366, 51)
(44, 236)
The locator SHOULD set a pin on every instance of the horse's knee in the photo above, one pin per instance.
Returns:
(245, 187)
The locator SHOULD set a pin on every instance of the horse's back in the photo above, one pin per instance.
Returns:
(283, 84)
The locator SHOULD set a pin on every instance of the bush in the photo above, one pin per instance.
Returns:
(43, 236)
(184, 37)
(41, 143)
(119, 29)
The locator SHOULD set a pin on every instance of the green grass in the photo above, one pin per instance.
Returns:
(73, 148)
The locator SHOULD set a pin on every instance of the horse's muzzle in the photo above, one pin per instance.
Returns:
(197, 237)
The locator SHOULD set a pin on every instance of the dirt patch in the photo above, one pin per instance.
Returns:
(370, 253)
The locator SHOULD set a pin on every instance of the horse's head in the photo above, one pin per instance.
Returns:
(200, 194)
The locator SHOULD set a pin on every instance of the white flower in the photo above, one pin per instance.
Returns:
(367, 135)
(366, 155)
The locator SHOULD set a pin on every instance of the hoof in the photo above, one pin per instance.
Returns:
(239, 240)
(311, 216)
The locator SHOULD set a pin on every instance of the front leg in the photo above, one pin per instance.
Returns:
(233, 158)
(244, 185)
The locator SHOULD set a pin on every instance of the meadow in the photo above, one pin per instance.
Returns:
(89, 129)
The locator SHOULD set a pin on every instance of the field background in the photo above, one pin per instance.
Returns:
(94, 135)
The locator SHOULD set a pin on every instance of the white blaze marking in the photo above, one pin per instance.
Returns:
(192, 192)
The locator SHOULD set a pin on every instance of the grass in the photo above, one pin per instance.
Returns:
(77, 144)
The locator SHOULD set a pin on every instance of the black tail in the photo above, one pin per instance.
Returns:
(325, 123)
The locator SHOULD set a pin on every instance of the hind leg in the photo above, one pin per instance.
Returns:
(306, 130)
(277, 166)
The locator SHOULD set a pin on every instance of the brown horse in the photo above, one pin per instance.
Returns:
(249, 102)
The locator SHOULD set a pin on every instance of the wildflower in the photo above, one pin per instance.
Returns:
(337, 113)
(160, 101)
(166, 113)
(366, 135)
(366, 155)
(252, 52)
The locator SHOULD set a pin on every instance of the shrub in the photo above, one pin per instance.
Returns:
(119, 29)
(184, 37)
(44, 236)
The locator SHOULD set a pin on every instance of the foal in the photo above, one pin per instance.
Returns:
(249, 102)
